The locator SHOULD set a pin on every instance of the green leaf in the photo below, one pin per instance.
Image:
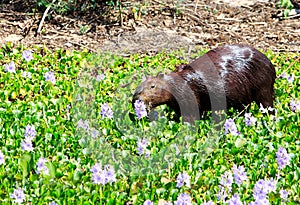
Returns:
(25, 163)
(240, 142)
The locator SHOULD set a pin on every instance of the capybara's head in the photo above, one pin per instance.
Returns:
(153, 91)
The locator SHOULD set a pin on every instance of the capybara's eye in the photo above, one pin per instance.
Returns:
(152, 86)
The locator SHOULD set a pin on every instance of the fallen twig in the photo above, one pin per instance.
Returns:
(14, 13)
(229, 19)
(241, 112)
(293, 63)
(81, 45)
(43, 18)
(290, 17)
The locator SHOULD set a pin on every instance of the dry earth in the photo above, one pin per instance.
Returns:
(162, 25)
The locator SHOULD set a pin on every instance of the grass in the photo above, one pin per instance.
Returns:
(66, 123)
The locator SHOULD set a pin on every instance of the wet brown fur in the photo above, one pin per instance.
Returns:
(239, 73)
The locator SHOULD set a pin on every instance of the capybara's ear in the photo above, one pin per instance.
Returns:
(160, 75)
(145, 77)
(180, 68)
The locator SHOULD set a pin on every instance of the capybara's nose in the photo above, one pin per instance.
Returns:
(138, 90)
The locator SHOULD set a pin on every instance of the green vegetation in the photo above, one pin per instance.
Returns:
(66, 136)
(286, 5)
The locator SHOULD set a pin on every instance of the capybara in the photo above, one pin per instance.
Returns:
(228, 76)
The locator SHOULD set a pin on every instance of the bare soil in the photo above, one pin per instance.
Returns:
(161, 25)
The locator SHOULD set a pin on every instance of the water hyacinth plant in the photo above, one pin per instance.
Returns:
(30, 132)
(148, 202)
(290, 78)
(183, 199)
(26, 144)
(282, 158)
(27, 55)
(208, 203)
(41, 166)
(54, 152)
(2, 158)
(140, 109)
(106, 111)
(183, 178)
(249, 119)
(49, 76)
(142, 147)
(235, 200)
(103, 176)
(18, 196)
(10, 68)
(26, 74)
(230, 127)
(239, 174)
(295, 105)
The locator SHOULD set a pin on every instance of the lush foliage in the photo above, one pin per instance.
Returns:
(67, 6)
(69, 135)
(286, 5)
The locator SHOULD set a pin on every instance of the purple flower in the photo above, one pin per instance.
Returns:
(80, 123)
(260, 202)
(183, 178)
(142, 146)
(94, 132)
(99, 178)
(283, 194)
(110, 173)
(208, 203)
(239, 174)
(183, 199)
(222, 194)
(96, 168)
(41, 166)
(26, 74)
(2, 158)
(18, 196)
(227, 180)
(249, 119)
(147, 153)
(26, 144)
(100, 77)
(225, 186)
(140, 109)
(282, 158)
(103, 176)
(290, 78)
(270, 185)
(260, 190)
(10, 67)
(86, 125)
(30, 132)
(27, 55)
(148, 202)
(230, 126)
(295, 105)
(235, 200)
(106, 111)
(52, 203)
(49, 76)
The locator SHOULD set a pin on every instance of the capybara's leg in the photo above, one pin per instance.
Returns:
(265, 97)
